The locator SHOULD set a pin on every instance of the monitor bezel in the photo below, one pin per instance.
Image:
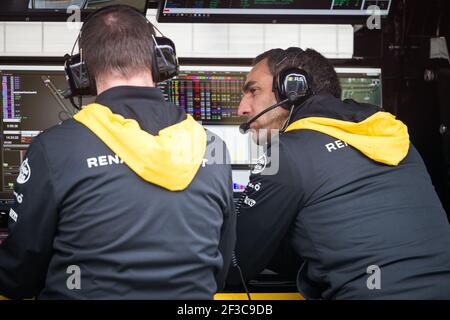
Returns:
(265, 18)
(51, 15)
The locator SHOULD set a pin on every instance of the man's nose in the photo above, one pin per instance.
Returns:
(244, 109)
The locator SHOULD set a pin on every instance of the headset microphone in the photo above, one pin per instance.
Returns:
(243, 128)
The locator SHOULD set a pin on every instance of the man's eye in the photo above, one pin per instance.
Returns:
(253, 90)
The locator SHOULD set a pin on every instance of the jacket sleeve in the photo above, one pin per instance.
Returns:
(266, 211)
(25, 255)
(228, 233)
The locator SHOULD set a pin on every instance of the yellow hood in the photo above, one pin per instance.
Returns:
(380, 137)
(170, 160)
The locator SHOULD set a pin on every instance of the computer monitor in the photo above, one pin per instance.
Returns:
(295, 11)
(211, 94)
(361, 84)
(58, 10)
(31, 102)
(140, 5)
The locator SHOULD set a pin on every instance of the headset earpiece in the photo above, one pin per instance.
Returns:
(165, 62)
(77, 74)
(291, 84)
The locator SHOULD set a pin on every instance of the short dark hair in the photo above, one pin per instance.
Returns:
(323, 76)
(117, 39)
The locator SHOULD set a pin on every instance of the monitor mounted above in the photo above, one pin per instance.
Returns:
(58, 10)
(84, 4)
(272, 11)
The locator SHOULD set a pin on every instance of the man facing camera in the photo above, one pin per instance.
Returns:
(123, 201)
(352, 208)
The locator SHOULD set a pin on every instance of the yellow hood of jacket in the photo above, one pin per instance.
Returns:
(381, 137)
(170, 159)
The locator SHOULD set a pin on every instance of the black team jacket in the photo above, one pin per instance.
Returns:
(127, 198)
(352, 209)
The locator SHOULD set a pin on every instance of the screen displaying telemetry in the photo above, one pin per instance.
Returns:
(30, 104)
(211, 97)
(202, 8)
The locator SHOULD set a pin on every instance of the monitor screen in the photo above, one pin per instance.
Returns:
(58, 10)
(271, 11)
(31, 103)
(211, 94)
(83, 4)
(361, 84)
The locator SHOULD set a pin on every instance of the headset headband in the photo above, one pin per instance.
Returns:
(164, 60)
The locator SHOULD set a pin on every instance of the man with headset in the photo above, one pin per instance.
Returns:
(351, 211)
(124, 201)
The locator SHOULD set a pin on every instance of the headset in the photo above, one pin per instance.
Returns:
(291, 84)
(81, 83)
(291, 87)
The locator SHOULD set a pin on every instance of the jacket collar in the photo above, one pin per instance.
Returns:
(146, 105)
(328, 106)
